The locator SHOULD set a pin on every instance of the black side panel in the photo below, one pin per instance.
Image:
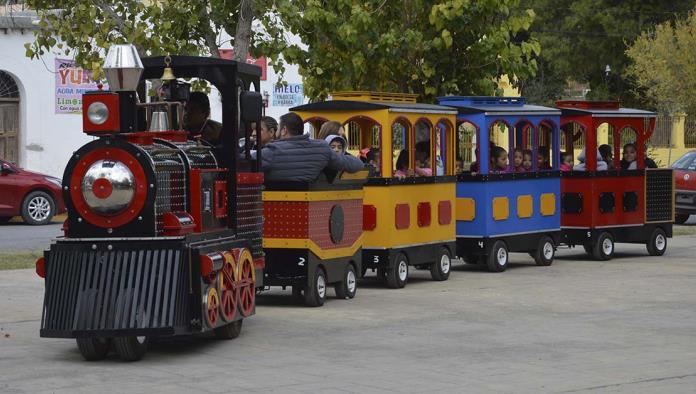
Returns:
(571, 203)
(607, 202)
(630, 201)
(128, 290)
(659, 195)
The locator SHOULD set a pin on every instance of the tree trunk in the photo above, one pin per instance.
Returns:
(242, 36)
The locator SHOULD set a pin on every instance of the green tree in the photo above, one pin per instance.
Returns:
(579, 38)
(427, 47)
(83, 29)
(663, 67)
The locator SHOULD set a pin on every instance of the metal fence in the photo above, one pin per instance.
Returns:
(662, 136)
(690, 132)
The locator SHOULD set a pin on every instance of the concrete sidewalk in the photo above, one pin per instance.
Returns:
(628, 325)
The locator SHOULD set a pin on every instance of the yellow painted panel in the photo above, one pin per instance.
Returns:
(288, 243)
(501, 208)
(466, 209)
(525, 206)
(548, 204)
(385, 198)
(313, 196)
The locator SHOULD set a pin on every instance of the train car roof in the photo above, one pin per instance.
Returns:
(488, 105)
(350, 105)
(197, 66)
(601, 109)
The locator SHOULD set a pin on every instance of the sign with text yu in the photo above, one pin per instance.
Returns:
(288, 95)
(71, 83)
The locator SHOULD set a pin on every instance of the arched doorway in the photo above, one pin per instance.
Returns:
(9, 118)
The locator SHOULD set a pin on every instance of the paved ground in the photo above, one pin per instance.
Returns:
(19, 236)
(628, 325)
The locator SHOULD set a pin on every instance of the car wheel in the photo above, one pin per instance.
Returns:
(681, 218)
(315, 292)
(397, 275)
(657, 245)
(38, 208)
(440, 269)
(603, 249)
(346, 288)
(5, 219)
(497, 257)
(545, 251)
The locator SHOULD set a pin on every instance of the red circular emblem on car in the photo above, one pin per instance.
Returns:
(102, 188)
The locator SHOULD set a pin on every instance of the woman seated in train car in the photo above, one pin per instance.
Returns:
(527, 159)
(566, 161)
(403, 170)
(423, 166)
(601, 164)
(543, 158)
(628, 162)
(499, 160)
(517, 160)
(607, 155)
(331, 128)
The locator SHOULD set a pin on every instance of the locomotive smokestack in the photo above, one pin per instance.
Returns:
(123, 67)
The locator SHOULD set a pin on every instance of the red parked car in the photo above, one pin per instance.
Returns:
(36, 197)
(685, 187)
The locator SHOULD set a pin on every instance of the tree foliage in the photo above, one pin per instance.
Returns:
(427, 47)
(663, 65)
(579, 38)
(83, 29)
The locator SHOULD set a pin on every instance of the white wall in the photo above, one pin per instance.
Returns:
(46, 139)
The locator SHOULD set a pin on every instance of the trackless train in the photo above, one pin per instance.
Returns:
(170, 236)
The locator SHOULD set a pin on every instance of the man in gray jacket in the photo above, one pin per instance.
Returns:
(294, 157)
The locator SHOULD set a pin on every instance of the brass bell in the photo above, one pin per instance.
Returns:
(168, 74)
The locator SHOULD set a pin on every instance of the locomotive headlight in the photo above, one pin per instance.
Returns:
(108, 187)
(97, 112)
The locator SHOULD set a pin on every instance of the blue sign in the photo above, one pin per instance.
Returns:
(288, 95)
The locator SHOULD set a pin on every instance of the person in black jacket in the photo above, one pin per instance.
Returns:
(294, 157)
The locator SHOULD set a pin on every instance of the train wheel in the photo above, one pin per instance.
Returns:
(440, 269)
(498, 257)
(657, 245)
(228, 292)
(347, 288)
(315, 292)
(603, 249)
(229, 331)
(130, 348)
(397, 275)
(211, 306)
(545, 251)
(246, 284)
(93, 349)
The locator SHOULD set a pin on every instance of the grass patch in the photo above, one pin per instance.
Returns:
(19, 260)
(684, 230)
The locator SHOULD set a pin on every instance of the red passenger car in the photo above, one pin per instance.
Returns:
(603, 199)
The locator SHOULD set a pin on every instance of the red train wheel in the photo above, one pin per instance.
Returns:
(246, 284)
(229, 293)
(211, 307)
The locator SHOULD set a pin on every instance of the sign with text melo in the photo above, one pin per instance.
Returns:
(71, 83)
(288, 95)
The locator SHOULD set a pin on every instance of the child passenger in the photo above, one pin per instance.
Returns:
(337, 143)
(373, 162)
(628, 162)
(566, 161)
(499, 160)
(543, 158)
(527, 160)
(518, 159)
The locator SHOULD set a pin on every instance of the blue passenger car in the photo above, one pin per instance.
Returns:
(511, 206)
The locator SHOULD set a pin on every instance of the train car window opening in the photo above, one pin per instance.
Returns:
(467, 134)
(313, 125)
(425, 161)
(547, 156)
(402, 155)
(443, 133)
(572, 140)
(522, 158)
(500, 137)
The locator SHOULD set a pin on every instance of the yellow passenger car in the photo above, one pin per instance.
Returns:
(408, 212)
